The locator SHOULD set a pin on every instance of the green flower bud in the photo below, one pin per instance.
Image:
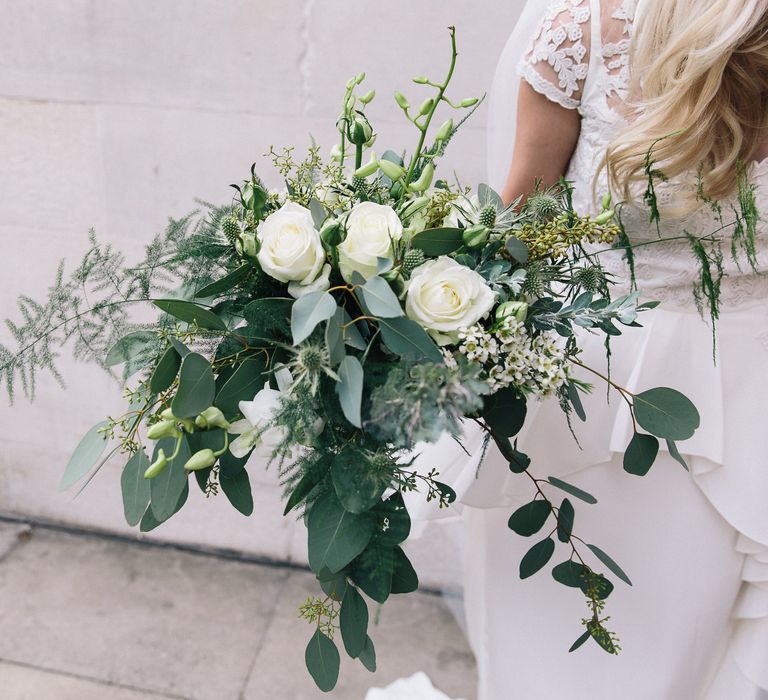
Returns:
(202, 459)
(605, 217)
(445, 130)
(361, 131)
(211, 417)
(360, 77)
(415, 205)
(331, 233)
(468, 102)
(425, 179)
(607, 200)
(518, 309)
(157, 466)
(392, 170)
(163, 429)
(370, 141)
(247, 245)
(167, 414)
(351, 83)
(426, 106)
(368, 97)
(400, 99)
(350, 104)
(475, 236)
(369, 168)
(188, 424)
(421, 80)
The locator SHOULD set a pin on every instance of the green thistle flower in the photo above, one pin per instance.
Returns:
(412, 259)
(230, 227)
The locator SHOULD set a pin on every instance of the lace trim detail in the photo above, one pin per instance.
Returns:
(556, 63)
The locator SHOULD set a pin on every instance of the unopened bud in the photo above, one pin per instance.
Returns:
(475, 236)
(425, 179)
(421, 80)
(607, 200)
(247, 245)
(369, 168)
(445, 130)
(370, 141)
(392, 170)
(360, 77)
(517, 309)
(163, 429)
(202, 459)
(212, 417)
(400, 99)
(365, 99)
(167, 414)
(331, 233)
(468, 102)
(360, 132)
(157, 466)
(426, 106)
(605, 217)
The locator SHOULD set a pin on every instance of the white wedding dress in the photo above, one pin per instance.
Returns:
(695, 623)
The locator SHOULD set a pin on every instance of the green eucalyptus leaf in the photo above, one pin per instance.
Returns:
(666, 413)
(393, 523)
(334, 337)
(246, 381)
(192, 313)
(537, 557)
(530, 518)
(166, 488)
(237, 489)
(135, 487)
(610, 563)
(570, 573)
(85, 456)
(225, 284)
(165, 371)
(380, 299)
(675, 454)
(565, 517)
(438, 241)
(308, 311)
(350, 389)
(368, 655)
(575, 399)
(517, 249)
(133, 346)
(583, 638)
(573, 490)
(322, 659)
(353, 621)
(197, 387)
(180, 348)
(505, 412)
(404, 577)
(150, 522)
(336, 536)
(333, 585)
(357, 486)
(372, 572)
(408, 339)
(269, 316)
(640, 454)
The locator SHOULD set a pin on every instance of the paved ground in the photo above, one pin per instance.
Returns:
(88, 618)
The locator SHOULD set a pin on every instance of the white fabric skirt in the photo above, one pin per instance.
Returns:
(695, 624)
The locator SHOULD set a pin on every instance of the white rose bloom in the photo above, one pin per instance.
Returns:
(371, 230)
(444, 296)
(291, 250)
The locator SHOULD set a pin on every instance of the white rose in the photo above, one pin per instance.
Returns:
(444, 296)
(371, 230)
(291, 250)
(321, 283)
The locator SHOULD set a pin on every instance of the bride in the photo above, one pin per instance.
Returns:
(591, 85)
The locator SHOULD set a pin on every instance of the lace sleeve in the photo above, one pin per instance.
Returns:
(557, 60)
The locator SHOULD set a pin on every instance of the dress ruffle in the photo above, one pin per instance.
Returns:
(727, 455)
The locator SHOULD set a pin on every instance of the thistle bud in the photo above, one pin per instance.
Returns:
(607, 201)
(157, 466)
(475, 236)
(202, 459)
(445, 130)
(163, 429)
(331, 233)
(392, 170)
(369, 168)
(426, 106)
(517, 309)
(421, 80)
(368, 97)
(211, 417)
(425, 179)
(605, 217)
(400, 99)
(469, 102)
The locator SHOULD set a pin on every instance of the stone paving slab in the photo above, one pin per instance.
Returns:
(146, 617)
(89, 618)
(29, 683)
(415, 633)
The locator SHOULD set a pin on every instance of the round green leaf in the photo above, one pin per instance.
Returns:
(308, 311)
(505, 412)
(246, 381)
(322, 659)
(166, 488)
(408, 339)
(350, 389)
(537, 557)
(530, 518)
(237, 489)
(570, 573)
(357, 486)
(165, 371)
(438, 241)
(353, 620)
(197, 387)
(641, 454)
(380, 298)
(666, 413)
(393, 523)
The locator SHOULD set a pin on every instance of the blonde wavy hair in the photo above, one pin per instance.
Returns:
(700, 84)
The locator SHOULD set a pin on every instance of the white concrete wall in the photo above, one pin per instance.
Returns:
(118, 113)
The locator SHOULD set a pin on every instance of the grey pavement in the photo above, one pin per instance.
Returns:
(84, 617)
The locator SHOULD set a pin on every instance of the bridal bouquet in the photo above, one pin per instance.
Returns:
(330, 328)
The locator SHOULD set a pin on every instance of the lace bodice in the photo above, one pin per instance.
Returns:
(579, 58)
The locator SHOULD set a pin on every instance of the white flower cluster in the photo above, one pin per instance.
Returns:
(511, 357)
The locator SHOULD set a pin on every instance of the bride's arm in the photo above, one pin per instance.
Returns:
(545, 140)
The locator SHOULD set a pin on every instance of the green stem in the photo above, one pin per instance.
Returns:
(358, 155)
(423, 129)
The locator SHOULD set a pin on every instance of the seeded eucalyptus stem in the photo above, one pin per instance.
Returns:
(425, 126)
